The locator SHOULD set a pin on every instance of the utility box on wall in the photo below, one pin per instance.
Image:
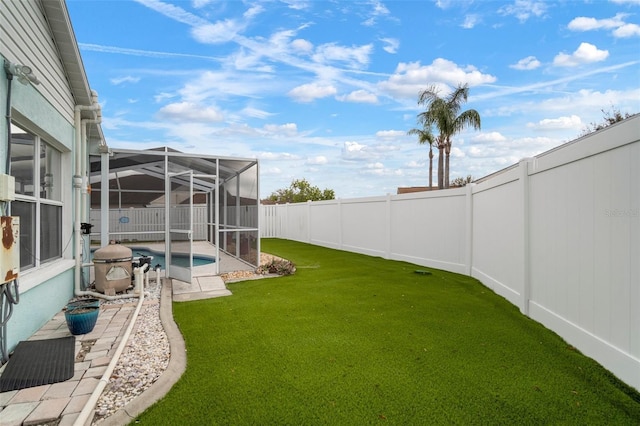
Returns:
(10, 254)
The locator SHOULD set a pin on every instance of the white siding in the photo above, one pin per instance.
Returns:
(27, 40)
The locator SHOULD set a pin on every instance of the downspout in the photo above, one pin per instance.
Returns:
(78, 184)
(7, 168)
(7, 298)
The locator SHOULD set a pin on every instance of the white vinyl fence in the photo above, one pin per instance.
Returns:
(147, 224)
(557, 235)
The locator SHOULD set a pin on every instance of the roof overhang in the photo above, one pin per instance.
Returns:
(57, 16)
(208, 171)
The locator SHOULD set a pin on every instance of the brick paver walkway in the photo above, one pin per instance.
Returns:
(65, 400)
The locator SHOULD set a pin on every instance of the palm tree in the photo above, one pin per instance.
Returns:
(443, 114)
(425, 136)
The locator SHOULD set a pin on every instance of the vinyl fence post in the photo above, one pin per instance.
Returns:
(526, 256)
(340, 231)
(468, 261)
(387, 251)
(309, 202)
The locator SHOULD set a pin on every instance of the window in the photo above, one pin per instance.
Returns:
(37, 168)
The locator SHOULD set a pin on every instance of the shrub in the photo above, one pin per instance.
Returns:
(277, 266)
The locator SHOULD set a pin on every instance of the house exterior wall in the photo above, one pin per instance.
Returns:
(557, 235)
(27, 40)
(47, 111)
(38, 305)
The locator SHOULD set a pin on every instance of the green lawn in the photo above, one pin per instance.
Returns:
(353, 340)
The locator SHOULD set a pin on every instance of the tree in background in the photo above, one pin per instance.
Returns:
(300, 191)
(444, 114)
(612, 116)
(426, 137)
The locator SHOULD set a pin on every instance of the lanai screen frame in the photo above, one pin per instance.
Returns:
(230, 186)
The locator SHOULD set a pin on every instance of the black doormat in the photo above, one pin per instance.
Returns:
(39, 362)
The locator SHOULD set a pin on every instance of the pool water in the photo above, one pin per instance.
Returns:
(178, 259)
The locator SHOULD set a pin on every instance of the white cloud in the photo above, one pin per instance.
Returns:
(445, 4)
(317, 160)
(189, 111)
(217, 85)
(219, 32)
(492, 156)
(379, 9)
(524, 9)
(312, 91)
(359, 96)
(470, 21)
(582, 23)
(586, 101)
(457, 152)
(627, 30)
(256, 113)
(390, 44)
(126, 79)
(302, 45)
(355, 151)
(572, 122)
(378, 169)
(528, 63)
(253, 11)
(619, 27)
(270, 171)
(139, 52)
(413, 164)
(584, 54)
(278, 156)
(162, 96)
(174, 12)
(356, 56)
(409, 79)
(390, 134)
(288, 129)
(280, 40)
(489, 137)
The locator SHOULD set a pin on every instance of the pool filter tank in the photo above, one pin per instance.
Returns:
(112, 268)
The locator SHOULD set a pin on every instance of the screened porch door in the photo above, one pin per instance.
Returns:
(180, 250)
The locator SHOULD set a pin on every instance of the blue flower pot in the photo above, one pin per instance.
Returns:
(82, 315)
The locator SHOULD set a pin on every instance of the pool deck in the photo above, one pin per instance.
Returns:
(62, 403)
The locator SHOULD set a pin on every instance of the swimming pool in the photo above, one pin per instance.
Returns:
(178, 259)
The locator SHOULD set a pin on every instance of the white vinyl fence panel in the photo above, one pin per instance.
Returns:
(429, 229)
(498, 239)
(147, 224)
(557, 235)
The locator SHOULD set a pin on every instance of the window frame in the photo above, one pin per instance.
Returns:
(38, 201)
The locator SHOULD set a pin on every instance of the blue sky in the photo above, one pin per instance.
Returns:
(327, 90)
